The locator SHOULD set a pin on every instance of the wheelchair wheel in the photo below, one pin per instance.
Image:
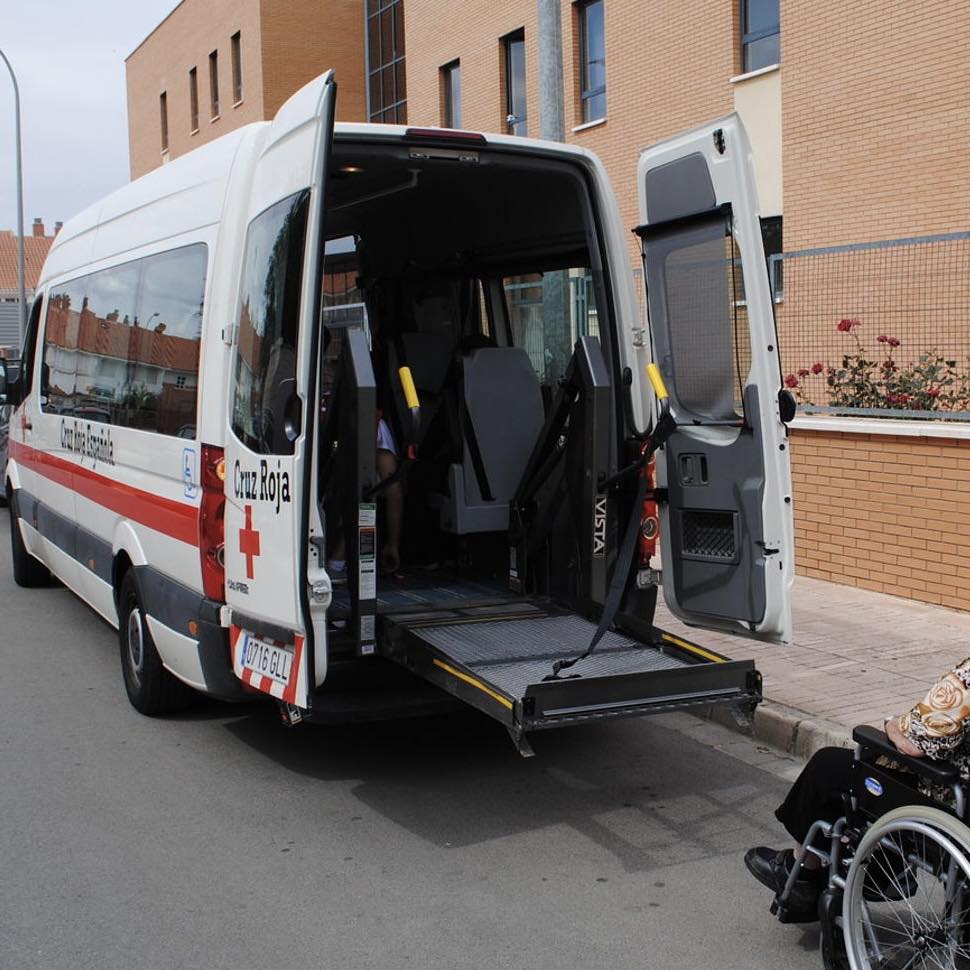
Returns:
(906, 904)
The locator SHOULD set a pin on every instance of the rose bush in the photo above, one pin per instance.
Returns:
(863, 380)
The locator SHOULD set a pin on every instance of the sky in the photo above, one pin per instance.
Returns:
(69, 58)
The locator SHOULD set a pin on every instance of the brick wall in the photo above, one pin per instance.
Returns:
(429, 47)
(884, 512)
(301, 39)
(162, 63)
(874, 104)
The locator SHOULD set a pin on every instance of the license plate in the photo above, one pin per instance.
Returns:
(267, 659)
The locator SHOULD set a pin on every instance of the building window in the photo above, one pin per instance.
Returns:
(214, 85)
(163, 113)
(386, 82)
(771, 236)
(451, 95)
(592, 56)
(194, 100)
(515, 108)
(236, 68)
(760, 34)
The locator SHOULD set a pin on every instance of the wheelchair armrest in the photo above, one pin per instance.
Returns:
(939, 772)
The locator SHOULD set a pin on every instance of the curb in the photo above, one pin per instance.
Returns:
(786, 728)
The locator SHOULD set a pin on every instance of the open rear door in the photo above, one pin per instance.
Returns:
(726, 521)
(270, 409)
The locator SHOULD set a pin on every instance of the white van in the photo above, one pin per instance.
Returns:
(215, 349)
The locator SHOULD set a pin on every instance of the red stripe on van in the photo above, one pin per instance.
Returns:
(174, 519)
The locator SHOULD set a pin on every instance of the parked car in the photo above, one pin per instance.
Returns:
(12, 369)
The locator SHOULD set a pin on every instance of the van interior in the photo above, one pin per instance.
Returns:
(478, 269)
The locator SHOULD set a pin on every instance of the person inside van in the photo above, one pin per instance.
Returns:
(936, 727)
(387, 463)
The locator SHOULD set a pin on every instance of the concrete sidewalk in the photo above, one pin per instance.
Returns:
(857, 657)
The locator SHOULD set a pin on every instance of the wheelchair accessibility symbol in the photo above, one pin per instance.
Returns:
(873, 787)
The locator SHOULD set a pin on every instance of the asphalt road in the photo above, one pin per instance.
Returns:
(220, 839)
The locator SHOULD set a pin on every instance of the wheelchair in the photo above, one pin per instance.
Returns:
(897, 893)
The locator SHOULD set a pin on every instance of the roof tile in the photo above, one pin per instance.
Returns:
(35, 252)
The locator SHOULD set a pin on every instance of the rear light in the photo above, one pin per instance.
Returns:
(212, 523)
(446, 134)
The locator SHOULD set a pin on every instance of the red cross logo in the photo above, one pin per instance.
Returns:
(249, 542)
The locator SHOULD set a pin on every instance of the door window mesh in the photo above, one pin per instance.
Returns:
(698, 318)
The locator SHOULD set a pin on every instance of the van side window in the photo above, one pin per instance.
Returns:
(59, 368)
(264, 376)
(108, 346)
(164, 374)
(29, 350)
(122, 345)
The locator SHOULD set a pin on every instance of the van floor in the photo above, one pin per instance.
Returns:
(421, 590)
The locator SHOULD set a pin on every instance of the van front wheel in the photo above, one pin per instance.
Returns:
(27, 571)
(151, 688)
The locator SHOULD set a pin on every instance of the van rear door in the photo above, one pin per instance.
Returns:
(724, 476)
(270, 410)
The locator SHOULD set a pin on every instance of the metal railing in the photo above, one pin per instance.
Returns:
(877, 329)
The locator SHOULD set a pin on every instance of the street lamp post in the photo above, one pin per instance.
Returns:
(20, 203)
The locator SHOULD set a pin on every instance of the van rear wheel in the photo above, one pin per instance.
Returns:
(27, 571)
(151, 688)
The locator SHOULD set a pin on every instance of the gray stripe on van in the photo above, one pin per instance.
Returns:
(166, 599)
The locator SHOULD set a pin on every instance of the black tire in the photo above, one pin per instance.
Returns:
(916, 921)
(151, 688)
(27, 571)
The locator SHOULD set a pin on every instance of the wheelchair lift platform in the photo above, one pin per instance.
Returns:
(499, 659)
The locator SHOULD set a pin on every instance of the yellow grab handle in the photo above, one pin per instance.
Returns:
(656, 379)
(407, 385)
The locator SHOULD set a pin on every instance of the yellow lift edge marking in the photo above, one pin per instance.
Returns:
(504, 701)
(700, 651)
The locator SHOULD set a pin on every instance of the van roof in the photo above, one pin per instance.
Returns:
(189, 192)
(185, 194)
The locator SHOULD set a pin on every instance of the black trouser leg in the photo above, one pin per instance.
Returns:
(817, 792)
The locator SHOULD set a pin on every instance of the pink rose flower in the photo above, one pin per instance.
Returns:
(817, 368)
(791, 381)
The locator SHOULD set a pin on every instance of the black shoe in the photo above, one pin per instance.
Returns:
(771, 868)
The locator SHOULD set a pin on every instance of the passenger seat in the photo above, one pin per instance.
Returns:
(502, 415)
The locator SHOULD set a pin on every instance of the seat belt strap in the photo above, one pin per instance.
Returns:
(622, 570)
(624, 565)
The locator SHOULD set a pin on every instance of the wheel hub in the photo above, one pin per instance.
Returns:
(136, 645)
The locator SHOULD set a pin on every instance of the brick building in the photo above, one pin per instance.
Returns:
(855, 114)
(213, 65)
(36, 247)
